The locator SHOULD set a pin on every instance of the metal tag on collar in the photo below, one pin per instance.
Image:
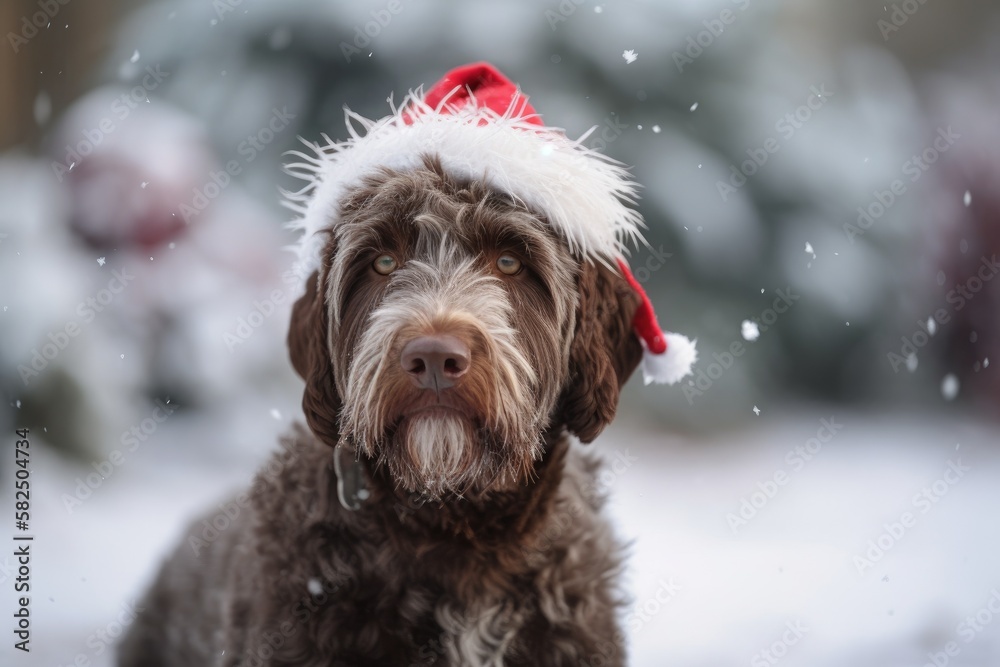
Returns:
(352, 489)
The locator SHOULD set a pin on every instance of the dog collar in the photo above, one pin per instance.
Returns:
(352, 484)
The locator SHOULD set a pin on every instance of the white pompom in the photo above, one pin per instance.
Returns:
(672, 365)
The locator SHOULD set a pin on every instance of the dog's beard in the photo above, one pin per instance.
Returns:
(439, 454)
(444, 455)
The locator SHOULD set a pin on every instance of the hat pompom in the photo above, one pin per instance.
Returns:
(673, 364)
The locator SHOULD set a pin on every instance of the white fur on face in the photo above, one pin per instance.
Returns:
(446, 291)
(437, 446)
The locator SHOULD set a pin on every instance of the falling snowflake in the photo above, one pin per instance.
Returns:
(656, 129)
(629, 56)
(750, 330)
(598, 9)
(276, 413)
(911, 362)
(315, 587)
(967, 199)
(949, 387)
(931, 326)
(809, 249)
(144, 184)
(100, 261)
(694, 106)
(756, 410)
(135, 56)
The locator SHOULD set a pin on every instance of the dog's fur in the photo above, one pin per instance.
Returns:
(481, 542)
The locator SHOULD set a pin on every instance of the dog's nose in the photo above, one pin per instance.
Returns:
(435, 362)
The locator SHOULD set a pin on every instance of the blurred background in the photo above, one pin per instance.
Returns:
(820, 187)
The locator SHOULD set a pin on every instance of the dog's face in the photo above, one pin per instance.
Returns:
(448, 328)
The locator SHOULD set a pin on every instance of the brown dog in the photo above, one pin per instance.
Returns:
(436, 511)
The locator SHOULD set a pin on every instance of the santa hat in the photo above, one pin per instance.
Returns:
(480, 127)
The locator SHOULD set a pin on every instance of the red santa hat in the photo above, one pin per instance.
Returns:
(480, 126)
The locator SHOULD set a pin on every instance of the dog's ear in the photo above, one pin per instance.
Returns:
(307, 346)
(603, 353)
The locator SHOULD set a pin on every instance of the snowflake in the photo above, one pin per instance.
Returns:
(100, 261)
(756, 410)
(629, 56)
(949, 387)
(750, 330)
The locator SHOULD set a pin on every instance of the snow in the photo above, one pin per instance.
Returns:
(750, 330)
(793, 561)
(629, 56)
(949, 387)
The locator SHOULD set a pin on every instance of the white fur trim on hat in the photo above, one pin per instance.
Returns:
(583, 194)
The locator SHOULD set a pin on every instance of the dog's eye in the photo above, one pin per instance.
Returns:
(509, 265)
(385, 264)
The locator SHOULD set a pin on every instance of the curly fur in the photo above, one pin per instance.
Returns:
(491, 551)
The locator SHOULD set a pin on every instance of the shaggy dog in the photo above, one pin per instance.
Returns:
(437, 510)
(480, 540)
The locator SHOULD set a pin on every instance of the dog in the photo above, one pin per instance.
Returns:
(438, 508)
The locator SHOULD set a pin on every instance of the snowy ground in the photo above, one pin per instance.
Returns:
(705, 597)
